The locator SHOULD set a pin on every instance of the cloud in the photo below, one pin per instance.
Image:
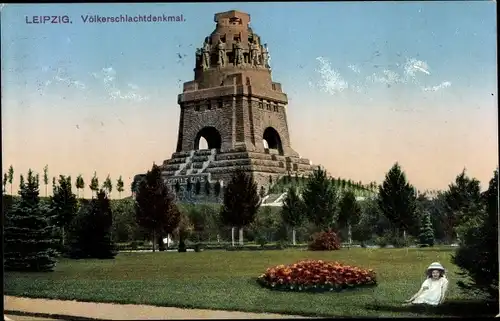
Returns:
(331, 80)
(444, 84)
(108, 78)
(413, 66)
(60, 77)
(398, 73)
(388, 78)
(355, 68)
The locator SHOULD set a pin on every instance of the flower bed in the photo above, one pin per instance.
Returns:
(316, 276)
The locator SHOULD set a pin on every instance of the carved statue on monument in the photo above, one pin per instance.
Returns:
(199, 58)
(254, 53)
(265, 56)
(238, 53)
(206, 54)
(221, 53)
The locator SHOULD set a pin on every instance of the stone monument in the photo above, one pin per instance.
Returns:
(236, 106)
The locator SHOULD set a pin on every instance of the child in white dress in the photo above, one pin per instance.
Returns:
(433, 290)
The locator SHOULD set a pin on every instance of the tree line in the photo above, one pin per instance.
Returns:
(8, 178)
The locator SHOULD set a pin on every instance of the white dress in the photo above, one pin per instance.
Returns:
(432, 291)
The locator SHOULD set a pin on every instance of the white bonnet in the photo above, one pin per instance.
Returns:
(436, 266)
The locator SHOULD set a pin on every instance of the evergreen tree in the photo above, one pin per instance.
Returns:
(107, 185)
(119, 186)
(477, 255)
(29, 245)
(177, 187)
(426, 236)
(207, 187)
(21, 181)
(90, 232)
(397, 201)
(320, 200)
(197, 187)
(292, 211)
(4, 182)
(63, 205)
(46, 178)
(156, 210)
(10, 177)
(241, 202)
(462, 196)
(343, 184)
(79, 184)
(349, 212)
(94, 184)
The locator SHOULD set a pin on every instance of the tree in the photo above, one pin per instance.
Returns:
(426, 236)
(461, 196)
(343, 184)
(207, 187)
(292, 211)
(477, 255)
(349, 212)
(189, 186)
(184, 228)
(79, 184)
(197, 187)
(241, 202)
(46, 178)
(198, 220)
(436, 208)
(177, 187)
(94, 184)
(156, 210)
(107, 185)
(320, 200)
(29, 245)
(63, 205)
(397, 201)
(10, 177)
(124, 227)
(4, 182)
(90, 232)
(119, 186)
(133, 186)
(262, 192)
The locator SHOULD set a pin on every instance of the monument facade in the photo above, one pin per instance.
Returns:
(234, 104)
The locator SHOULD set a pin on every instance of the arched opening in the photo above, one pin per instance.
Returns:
(272, 141)
(208, 138)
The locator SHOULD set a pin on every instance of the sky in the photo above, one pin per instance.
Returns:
(369, 84)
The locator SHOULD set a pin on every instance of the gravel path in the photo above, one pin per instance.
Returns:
(108, 311)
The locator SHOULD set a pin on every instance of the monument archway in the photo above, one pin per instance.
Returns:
(208, 138)
(272, 141)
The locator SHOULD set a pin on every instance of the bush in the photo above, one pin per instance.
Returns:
(381, 241)
(324, 241)
(398, 241)
(261, 239)
(316, 276)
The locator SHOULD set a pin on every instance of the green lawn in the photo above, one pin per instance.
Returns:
(226, 280)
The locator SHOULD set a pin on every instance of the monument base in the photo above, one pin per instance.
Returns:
(213, 165)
